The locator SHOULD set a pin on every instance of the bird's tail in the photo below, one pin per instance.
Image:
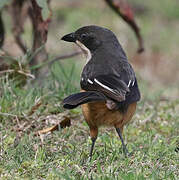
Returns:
(77, 99)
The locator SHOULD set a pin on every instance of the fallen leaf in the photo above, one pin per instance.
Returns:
(50, 129)
(65, 123)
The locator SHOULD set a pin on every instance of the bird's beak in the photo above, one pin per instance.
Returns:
(69, 37)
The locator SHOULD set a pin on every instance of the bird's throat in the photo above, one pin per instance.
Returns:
(85, 50)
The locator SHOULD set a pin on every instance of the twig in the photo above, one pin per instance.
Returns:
(26, 74)
(56, 59)
(66, 56)
(7, 71)
(19, 71)
(125, 12)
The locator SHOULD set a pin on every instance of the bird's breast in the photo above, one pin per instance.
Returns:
(97, 114)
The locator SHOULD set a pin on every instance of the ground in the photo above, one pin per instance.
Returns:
(151, 136)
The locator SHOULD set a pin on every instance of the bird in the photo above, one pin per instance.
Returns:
(109, 89)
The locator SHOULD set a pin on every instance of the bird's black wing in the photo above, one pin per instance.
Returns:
(127, 74)
(115, 79)
(110, 85)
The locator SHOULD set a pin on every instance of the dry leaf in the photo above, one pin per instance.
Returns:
(50, 129)
(63, 124)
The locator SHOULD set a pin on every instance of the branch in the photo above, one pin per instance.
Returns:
(40, 31)
(18, 13)
(2, 31)
(122, 8)
(38, 66)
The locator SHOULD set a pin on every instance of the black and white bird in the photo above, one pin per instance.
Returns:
(108, 83)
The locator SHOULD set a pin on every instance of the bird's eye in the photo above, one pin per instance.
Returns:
(84, 36)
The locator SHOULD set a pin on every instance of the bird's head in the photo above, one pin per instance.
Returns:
(91, 37)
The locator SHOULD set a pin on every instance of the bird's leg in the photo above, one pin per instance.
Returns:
(123, 145)
(92, 147)
(93, 134)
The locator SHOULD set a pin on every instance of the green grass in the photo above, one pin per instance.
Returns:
(64, 154)
(151, 137)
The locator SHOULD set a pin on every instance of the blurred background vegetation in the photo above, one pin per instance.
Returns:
(28, 104)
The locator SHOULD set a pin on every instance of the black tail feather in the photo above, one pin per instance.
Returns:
(77, 99)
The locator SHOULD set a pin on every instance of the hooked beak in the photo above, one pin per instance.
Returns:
(69, 37)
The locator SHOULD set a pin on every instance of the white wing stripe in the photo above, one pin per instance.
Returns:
(129, 83)
(133, 83)
(104, 86)
(91, 82)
